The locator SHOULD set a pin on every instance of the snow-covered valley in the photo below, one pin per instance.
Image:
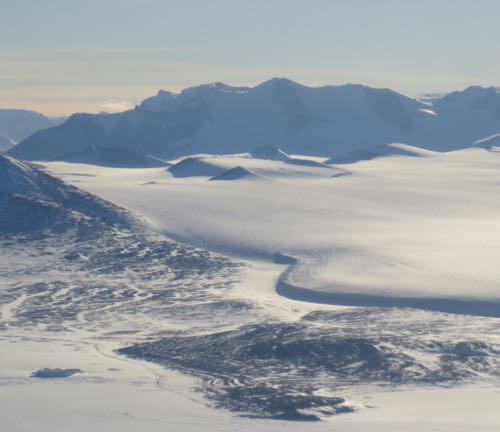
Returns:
(422, 229)
(233, 290)
(249, 216)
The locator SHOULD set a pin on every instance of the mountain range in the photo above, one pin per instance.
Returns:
(324, 121)
(17, 125)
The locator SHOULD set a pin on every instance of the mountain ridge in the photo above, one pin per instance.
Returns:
(32, 201)
(318, 121)
(18, 124)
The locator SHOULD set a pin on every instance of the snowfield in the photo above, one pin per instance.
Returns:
(361, 296)
(396, 231)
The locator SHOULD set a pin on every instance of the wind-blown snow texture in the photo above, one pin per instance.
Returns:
(326, 121)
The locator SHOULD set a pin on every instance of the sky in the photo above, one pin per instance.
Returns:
(65, 56)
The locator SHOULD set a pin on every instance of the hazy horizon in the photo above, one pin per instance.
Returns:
(62, 57)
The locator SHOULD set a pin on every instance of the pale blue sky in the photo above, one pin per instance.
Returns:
(61, 56)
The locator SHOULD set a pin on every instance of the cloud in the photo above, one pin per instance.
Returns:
(116, 106)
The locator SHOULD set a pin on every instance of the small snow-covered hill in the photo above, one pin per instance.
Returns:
(194, 167)
(245, 165)
(236, 173)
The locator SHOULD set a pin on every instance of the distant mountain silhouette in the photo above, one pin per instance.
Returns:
(376, 152)
(16, 125)
(112, 157)
(325, 121)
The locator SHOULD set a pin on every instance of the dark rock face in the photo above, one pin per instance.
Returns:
(275, 369)
(55, 373)
(33, 201)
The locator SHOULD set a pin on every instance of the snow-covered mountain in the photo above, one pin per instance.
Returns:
(33, 201)
(5, 143)
(16, 125)
(269, 152)
(324, 121)
(491, 143)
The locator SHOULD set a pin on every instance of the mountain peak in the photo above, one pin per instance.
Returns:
(278, 81)
(217, 118)
(164, 101)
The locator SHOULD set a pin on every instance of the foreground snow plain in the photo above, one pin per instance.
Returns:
(296, 236)
(396, 231)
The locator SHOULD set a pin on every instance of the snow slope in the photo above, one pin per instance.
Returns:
(117, 300)
(398, 231)
(32, 201)
(117, 157)
(5, 143)
(491, 143)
